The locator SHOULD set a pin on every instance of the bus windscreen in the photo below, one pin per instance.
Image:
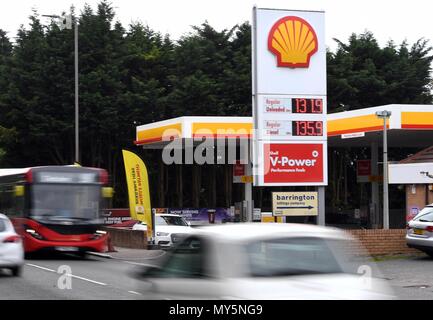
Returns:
(66, 202)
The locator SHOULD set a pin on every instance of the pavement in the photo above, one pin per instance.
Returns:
(131, 254)
(411, 276)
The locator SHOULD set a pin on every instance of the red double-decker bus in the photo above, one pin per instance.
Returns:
(56, 208)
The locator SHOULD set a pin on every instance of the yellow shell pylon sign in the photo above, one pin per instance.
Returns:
(293, 41)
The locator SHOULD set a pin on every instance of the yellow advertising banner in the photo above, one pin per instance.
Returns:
(138, 190)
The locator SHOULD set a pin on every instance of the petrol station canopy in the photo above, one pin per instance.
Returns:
(157, 134)
(409, 126)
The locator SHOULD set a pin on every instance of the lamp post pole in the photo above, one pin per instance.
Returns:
(385, 115)
(77, 140)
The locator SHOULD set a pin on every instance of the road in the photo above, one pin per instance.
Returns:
(91, 278)
(411, 277)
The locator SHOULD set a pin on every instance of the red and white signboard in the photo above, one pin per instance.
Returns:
(293, 164)
(238, 172)
(289, 98)
(363, 170)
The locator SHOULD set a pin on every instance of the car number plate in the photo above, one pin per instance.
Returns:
(67, 249)
(419, 232)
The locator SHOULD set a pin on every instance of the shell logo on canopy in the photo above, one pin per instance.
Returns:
(293, 41)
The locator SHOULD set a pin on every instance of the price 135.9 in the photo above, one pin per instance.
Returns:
(307, 128)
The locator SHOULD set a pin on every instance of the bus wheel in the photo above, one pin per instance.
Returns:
(28, 255)
(82, 254)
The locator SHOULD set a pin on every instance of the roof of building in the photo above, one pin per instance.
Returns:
(423, 156)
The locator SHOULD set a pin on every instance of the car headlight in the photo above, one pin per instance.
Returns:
(98, 234)
(34, 234)
(162, 234)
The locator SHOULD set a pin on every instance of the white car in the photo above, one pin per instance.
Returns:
(420, 231)
(169, 229)
(261, 261)
(11, 247)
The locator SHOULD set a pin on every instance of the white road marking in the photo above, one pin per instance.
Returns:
(134, 292)
(68, 274)
(88, 280)
(39, 267)
(99, 254)
(136, 263)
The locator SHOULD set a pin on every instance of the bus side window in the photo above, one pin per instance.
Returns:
(10, 204)
(6, 199)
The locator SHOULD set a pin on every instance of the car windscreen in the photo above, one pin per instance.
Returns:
(65, 202)
(291, 256)
(170, 221)
(2, 225)
(425, 215)
(187, 260)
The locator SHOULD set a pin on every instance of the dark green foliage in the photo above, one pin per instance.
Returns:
(361, 74)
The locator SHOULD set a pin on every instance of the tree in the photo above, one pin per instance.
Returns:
(5, 54)
(361, 74)
(212, 72)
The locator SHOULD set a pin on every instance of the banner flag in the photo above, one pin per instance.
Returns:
(138, 190)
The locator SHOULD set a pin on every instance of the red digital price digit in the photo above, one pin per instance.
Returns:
(300, 128)
(301, 105)
(311, 128)
(317, 106)
(319, 128)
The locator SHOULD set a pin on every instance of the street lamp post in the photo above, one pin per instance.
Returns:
(66, 23)
(385, 115)
(77, 140)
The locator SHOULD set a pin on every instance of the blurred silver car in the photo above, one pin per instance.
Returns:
(263, 261)
(420, 231)
(11, 247)
(169, 229)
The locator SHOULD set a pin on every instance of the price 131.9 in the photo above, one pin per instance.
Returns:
(304, 105)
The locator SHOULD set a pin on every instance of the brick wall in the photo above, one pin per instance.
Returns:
(382, 242)
(125, 238)
(375, 241)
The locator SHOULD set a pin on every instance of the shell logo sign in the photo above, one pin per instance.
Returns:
(293, 41)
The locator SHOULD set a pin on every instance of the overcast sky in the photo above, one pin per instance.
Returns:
(397, 20)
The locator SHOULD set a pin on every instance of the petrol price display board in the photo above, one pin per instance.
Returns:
(289, 98)
(292, 118)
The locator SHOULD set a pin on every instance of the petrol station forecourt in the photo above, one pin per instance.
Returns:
(409, 126)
